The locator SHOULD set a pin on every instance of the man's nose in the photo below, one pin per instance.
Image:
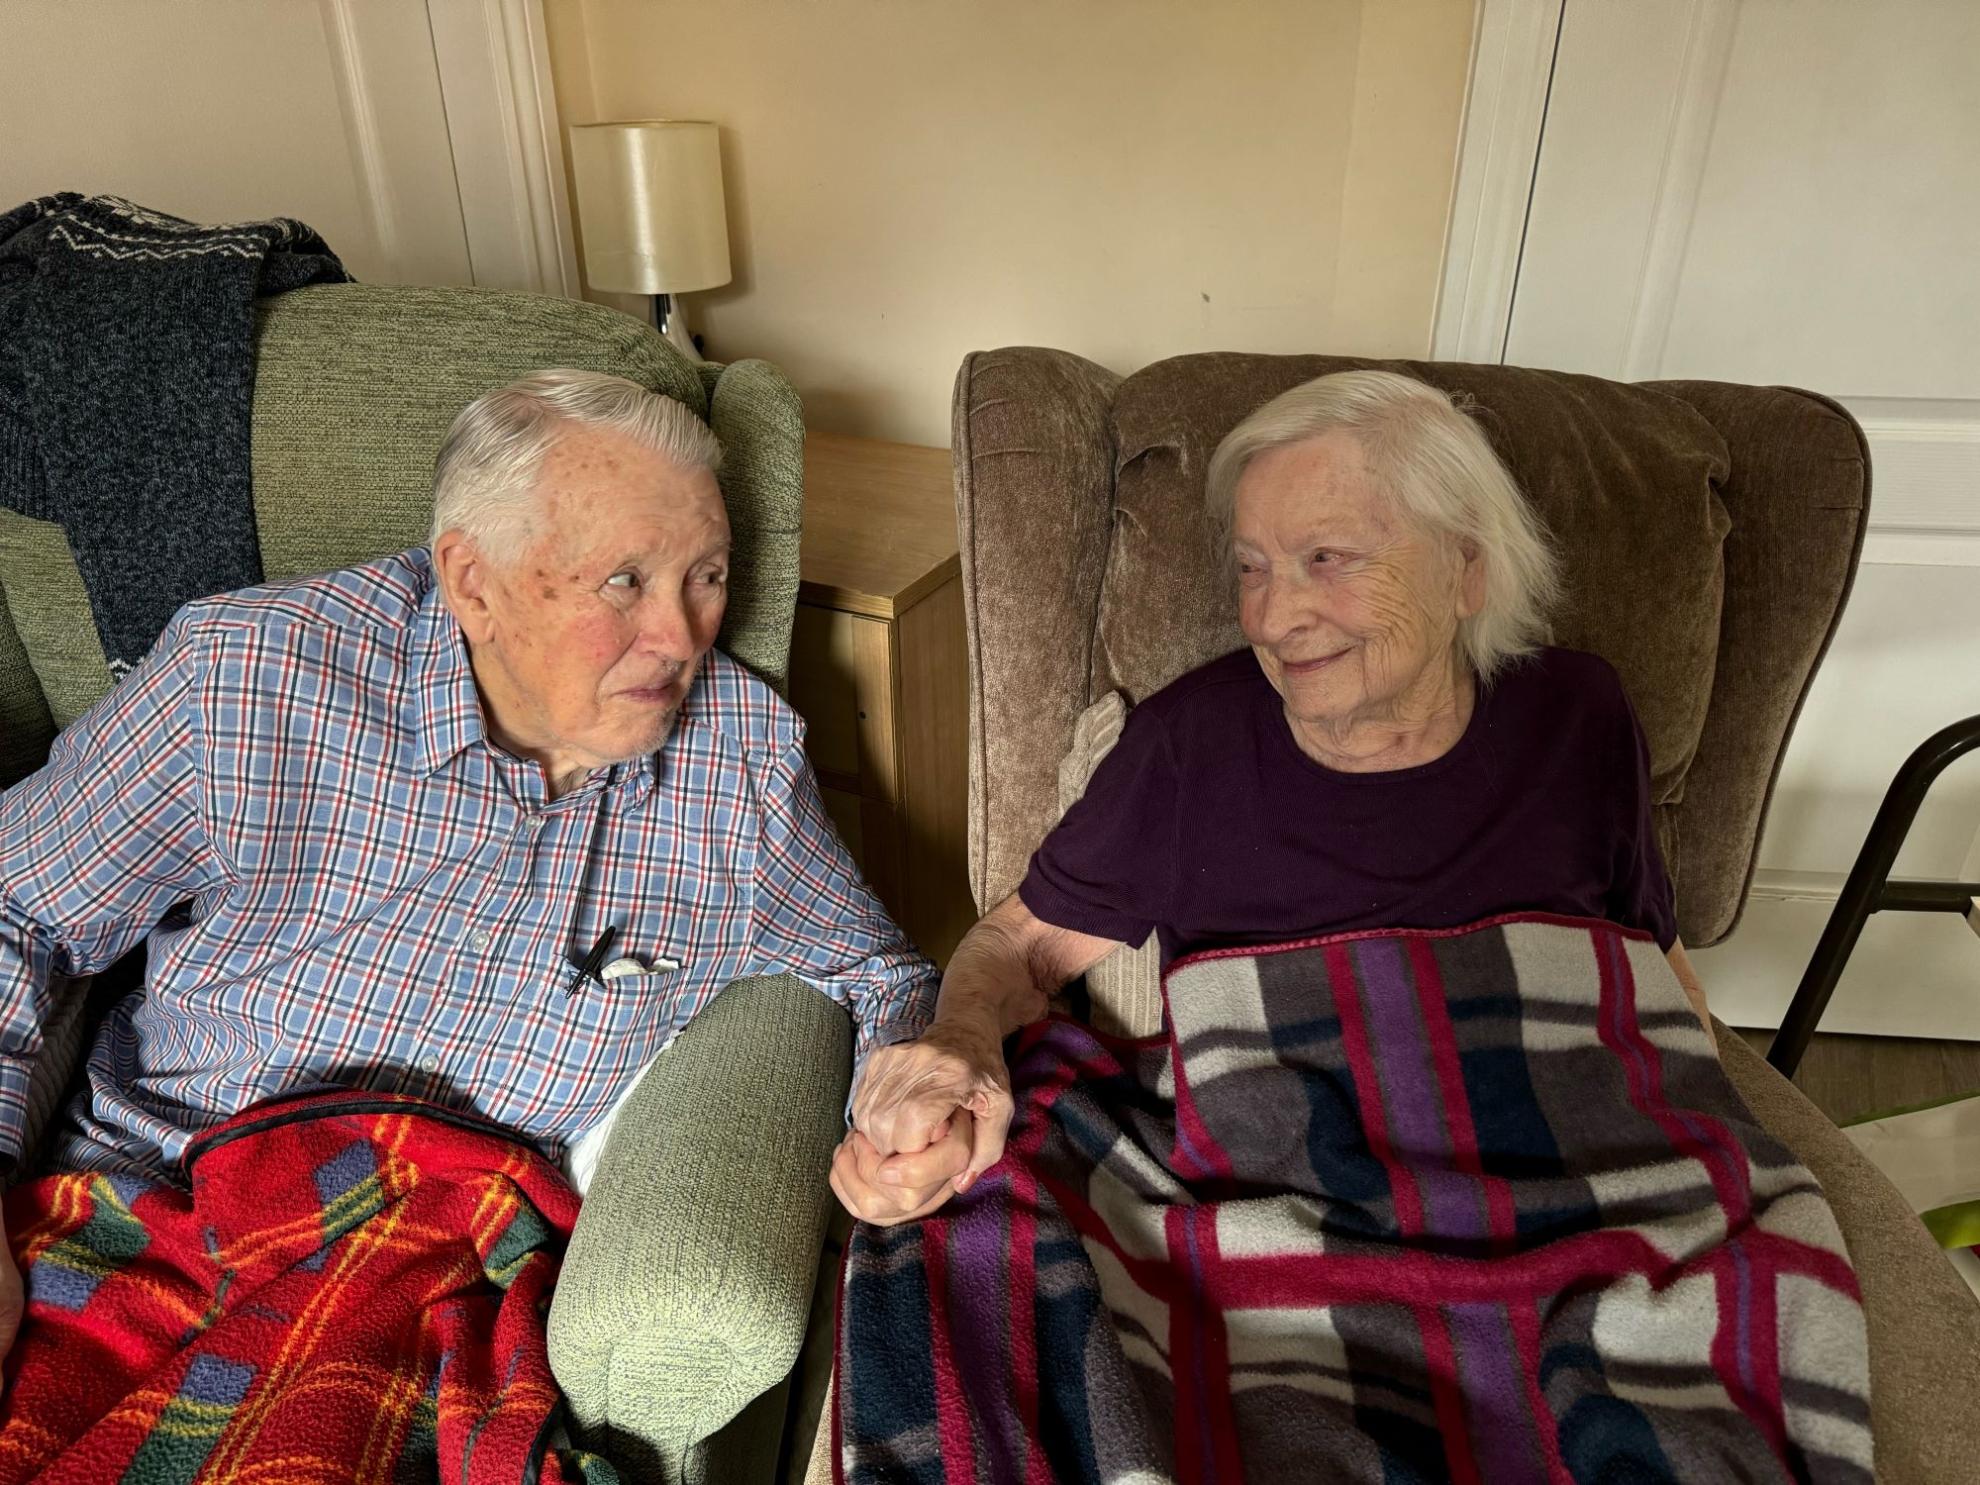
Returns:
(666, 628)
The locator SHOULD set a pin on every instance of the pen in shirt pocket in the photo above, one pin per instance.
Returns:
(596, 965)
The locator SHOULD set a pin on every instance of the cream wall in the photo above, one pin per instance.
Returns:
(233, 110)
(216, 110)
(1128, 179)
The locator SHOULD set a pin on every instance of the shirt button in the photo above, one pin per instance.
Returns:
(481, 938)
(431, 1064)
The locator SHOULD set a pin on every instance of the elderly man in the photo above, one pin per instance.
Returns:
(486, 822)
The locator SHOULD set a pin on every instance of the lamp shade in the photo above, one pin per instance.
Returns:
(649, 197)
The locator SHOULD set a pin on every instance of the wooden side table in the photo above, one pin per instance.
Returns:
(880, 673)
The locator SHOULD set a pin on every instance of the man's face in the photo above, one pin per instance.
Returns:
(586, 643)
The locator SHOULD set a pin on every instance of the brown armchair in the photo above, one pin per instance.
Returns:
(1710, 533)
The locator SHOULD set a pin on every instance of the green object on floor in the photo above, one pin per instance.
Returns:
(1956, 1226)
(1932, 1155)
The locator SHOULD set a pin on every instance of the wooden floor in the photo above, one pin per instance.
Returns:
(1850, 1076)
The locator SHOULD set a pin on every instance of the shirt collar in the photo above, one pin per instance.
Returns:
(445, 707)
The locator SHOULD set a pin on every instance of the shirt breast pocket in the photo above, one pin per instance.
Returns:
(627, 1012)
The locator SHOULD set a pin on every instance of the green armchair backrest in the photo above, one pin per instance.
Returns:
(355, 384)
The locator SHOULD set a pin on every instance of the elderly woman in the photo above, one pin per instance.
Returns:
(1395, 749)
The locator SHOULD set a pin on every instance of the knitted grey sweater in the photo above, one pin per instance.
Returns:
(126, 396)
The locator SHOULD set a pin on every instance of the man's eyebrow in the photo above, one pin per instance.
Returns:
(602, 563)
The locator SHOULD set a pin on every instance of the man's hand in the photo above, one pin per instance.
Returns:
(886, 1190)
(930, 1116)
(13, 1297)
(950, 1092)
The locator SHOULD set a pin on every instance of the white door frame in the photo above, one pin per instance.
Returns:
(494, 58)
(505, 162)
(1515, 45)
(1505, 105)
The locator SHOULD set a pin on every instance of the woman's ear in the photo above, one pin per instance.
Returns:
(1471, 579)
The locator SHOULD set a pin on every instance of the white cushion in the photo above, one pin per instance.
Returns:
(1126, 986)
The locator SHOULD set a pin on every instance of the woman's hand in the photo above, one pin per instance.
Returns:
(1694, 991)
(951, 1084)
(930, 1116)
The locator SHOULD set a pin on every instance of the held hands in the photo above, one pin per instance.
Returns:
(930, 1117)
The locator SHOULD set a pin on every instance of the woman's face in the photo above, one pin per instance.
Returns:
(1352, 614)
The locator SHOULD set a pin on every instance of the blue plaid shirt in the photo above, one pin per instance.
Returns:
(340, 878)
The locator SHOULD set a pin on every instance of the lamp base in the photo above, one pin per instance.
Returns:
(670, 319)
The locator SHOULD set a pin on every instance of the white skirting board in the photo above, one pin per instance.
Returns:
(1912, 974)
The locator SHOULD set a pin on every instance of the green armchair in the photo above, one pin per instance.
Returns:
(685, 1293)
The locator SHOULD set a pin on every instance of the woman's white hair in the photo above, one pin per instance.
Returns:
(484, 478)
(1437, 469)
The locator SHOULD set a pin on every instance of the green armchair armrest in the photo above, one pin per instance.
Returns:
(688, 1281)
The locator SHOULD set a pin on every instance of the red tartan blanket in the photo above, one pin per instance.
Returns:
(354, 1289)
(1390, 1207)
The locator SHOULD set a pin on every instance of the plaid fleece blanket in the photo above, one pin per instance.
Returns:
(354, 1289)
(1476, 1205)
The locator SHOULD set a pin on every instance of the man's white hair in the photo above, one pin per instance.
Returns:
(484, 478)
(1438, 471)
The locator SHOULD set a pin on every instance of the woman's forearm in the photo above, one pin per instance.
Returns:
(1004, 972)
(1694, 990)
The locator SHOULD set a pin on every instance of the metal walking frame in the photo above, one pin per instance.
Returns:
(1869, 889)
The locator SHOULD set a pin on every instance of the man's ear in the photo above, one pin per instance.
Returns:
(464, 575)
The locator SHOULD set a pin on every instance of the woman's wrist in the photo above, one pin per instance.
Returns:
(969, 1026)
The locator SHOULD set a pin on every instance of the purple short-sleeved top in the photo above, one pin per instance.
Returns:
(1207, 824)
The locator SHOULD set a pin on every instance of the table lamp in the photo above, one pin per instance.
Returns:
(649, 197)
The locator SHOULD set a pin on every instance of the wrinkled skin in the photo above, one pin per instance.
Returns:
(587, 639)
(1352, 613)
